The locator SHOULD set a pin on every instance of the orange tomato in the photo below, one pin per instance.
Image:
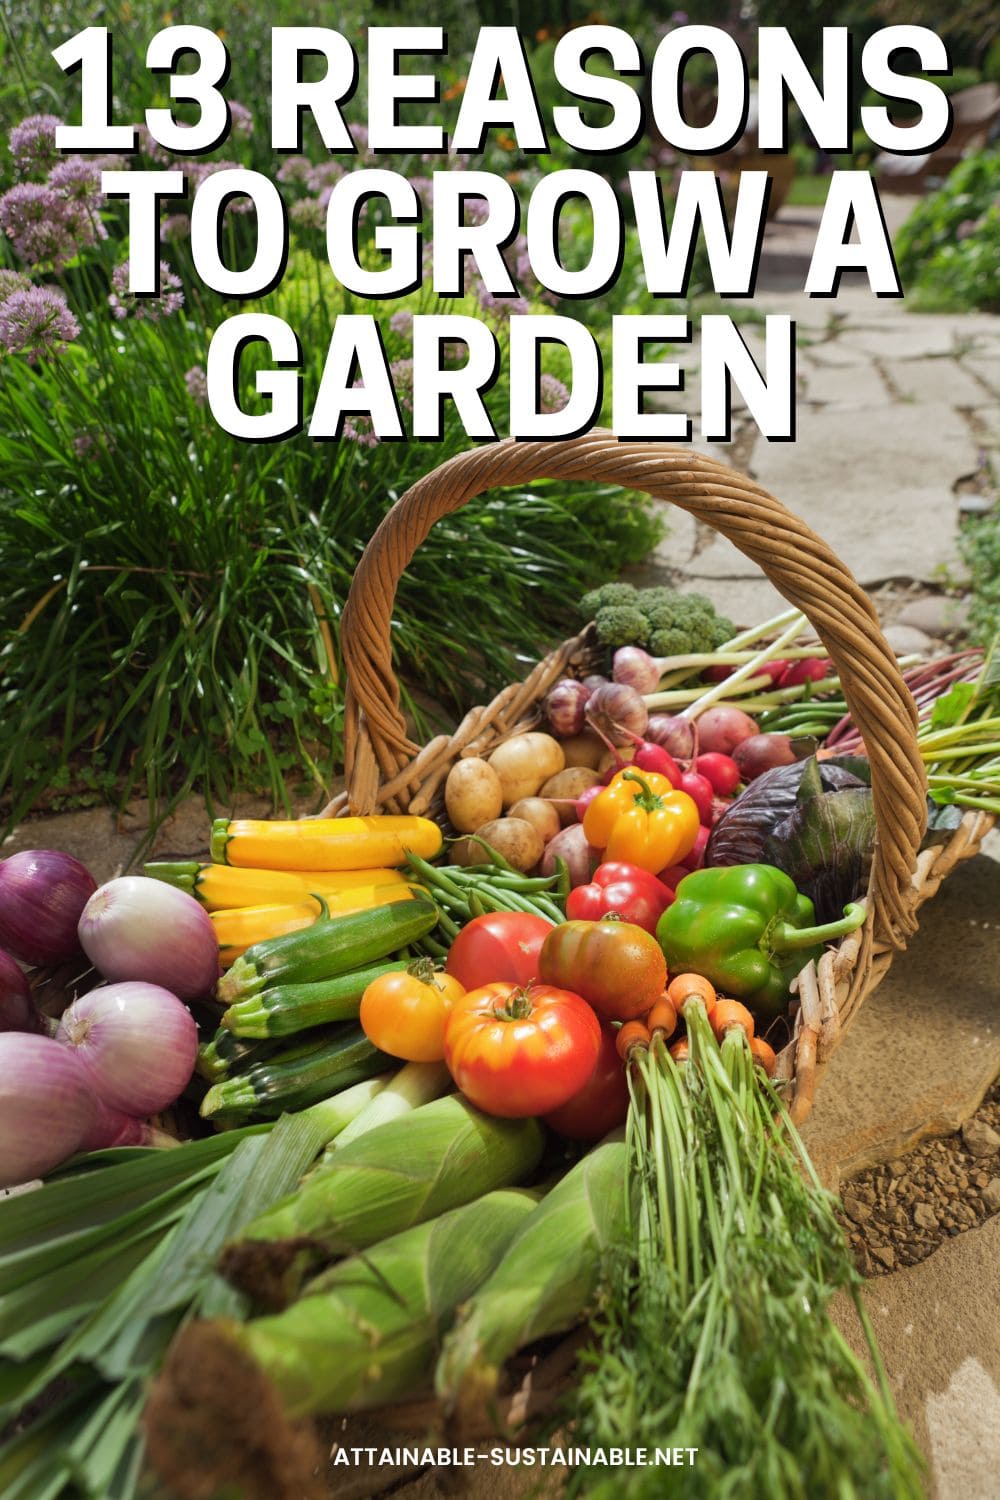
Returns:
(405, 1013)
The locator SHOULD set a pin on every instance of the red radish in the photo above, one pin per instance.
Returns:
(700, 792)
(809, 669)
(762, 752)
(722, 729)
(720, 806)
(696, 858)
(586, 798)
(672, 878)
(721, 770)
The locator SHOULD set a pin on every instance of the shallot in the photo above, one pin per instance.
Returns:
(42, 893)
(566, 705)
(136, 1042)
(637, 669)
(618, 712)
(677, 735)
(17, 1009)
(48, 1106)
(143, 929)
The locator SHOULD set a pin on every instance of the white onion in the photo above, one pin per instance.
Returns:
(138, 928)
(137, 1043)
(47, 1106)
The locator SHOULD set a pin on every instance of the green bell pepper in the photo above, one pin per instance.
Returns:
(747, 929)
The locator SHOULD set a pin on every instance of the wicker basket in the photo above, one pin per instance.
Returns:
(386, 771)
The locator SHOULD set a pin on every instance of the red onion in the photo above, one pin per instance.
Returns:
(42, 893)
(137, 1043)
(571, 845)
(138, 928)
(112, 1127)
(47, 1106)
(724, 728)
(618, 712)
(637, 669)
(677, 735)
(17, 1009)
(565, 706)
(762, 752)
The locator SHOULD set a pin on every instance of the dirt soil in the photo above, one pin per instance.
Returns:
(898, 1213)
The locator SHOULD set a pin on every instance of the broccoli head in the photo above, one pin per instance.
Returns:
(609, 595)
(621, 625)
(670, 641)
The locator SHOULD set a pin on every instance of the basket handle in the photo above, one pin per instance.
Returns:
(801, 566)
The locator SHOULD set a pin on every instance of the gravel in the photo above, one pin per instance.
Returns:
(897, 1214)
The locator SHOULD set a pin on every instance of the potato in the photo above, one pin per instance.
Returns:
(542, 816)
(610, 758)
(566, 786)
(472, 794)
(524, 762)
(519, 843)
(584, 749)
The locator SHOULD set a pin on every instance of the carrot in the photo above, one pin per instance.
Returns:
(662, 1017)
(680, 1051)
(631, 1036)
(729, 1014)
(685, 987)
(763, 1054)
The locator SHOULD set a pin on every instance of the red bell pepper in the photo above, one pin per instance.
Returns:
(631, 893)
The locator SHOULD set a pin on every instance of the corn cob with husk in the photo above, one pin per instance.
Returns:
(402, 1173)
(364, 1334)
(545, 1282)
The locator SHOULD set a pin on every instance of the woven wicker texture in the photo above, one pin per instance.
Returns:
(380, 758)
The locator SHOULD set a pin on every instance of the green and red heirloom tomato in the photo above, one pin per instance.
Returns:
(500, 945)
(616, 966)
(521, 1051)
(404, 1013)
(603, 1101)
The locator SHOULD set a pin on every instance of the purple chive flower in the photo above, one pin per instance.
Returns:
(553, 393)
(358, 429)
(308, 213)
(323, 176)
(77, 178)
(402, 321)
(200, 171)
(122, 301)
(196, 382)
(295, 169)
(175, 227)
(36, 322)
(241, 117)
(33, 143)
(401, 371)
(150, 148)
(13, 281)
(84, 443)
(40, 224)
(501, 307)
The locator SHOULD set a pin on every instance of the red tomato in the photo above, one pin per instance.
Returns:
(516, 1052)
(617, 967)
(499, 945)
(720, 770)
(603, 1101)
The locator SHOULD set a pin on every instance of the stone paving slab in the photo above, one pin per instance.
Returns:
(843, 388)
(925, 1047)
(938, 1331)
(933, 382)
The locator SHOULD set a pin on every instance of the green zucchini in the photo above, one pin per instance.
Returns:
(297, 1077)
(283, 1009)
(331, 946)
(227, 1053)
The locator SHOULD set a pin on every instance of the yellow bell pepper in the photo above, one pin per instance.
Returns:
(642, 820)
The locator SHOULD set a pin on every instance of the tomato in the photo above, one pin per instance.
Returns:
(603, 1101)
(500, 945)
(404, 1013)
(516, 1052)
(616, 966)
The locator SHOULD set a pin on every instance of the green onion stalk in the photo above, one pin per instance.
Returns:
(101, 1265)
(714, 1331)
